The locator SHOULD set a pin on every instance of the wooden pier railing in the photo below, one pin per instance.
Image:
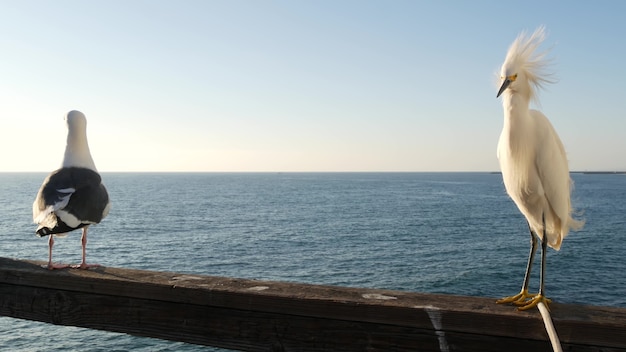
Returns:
(254, 315)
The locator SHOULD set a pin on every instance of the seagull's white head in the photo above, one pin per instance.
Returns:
(77, 149)
(76, 121)
(523, 70)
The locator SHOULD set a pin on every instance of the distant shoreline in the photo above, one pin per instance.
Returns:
(588, 172)
(600, 172)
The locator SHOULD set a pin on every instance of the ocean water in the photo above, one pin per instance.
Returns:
(454, 233)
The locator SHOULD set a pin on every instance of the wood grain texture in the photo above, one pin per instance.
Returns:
(256, 315)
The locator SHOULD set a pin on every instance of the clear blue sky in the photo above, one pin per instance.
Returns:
(300, 85)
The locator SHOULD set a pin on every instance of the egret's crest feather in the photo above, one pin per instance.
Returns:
(525, 57)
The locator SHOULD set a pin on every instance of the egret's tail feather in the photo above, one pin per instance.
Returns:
(575, 225)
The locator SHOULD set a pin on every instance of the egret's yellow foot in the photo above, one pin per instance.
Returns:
(519, 299)
(533, 302)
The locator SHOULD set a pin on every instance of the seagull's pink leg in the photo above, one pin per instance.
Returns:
(83, 264)
(52, 266)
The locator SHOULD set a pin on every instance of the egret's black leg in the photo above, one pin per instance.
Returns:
(541, 296)
(544, 247)
(531, 258)
(520, 298)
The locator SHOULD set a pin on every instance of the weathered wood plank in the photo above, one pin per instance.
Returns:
(278, 316)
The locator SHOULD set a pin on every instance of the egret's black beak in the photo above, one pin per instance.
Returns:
(504, 86)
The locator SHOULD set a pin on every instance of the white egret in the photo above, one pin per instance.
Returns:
(532, 158)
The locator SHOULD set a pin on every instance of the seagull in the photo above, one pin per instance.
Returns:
(72, 197)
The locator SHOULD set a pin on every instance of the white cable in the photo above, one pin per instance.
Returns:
(547, 321)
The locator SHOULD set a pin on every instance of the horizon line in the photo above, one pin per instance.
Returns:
(326, 172)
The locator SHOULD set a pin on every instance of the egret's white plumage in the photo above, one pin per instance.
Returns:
(532, 158)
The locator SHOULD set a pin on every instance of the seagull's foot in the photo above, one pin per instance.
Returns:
(54, 266)
(526, 305)
(84, 266)
(519, 299)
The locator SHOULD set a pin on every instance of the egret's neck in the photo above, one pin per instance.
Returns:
(514, 148)
(77, 151)
(515, 108)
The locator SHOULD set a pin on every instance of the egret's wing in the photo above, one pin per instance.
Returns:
(553, 169)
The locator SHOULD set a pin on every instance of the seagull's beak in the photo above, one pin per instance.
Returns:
(504, 86)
